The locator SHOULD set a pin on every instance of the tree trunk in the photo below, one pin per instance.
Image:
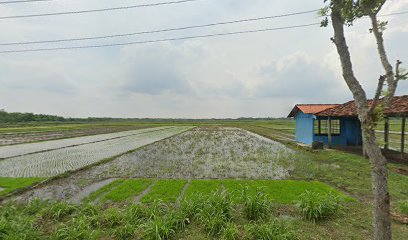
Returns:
(381, 211)
(381, 214)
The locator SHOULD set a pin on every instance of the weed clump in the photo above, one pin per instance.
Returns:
(275, 229)
(315, 206)
(256, 207)
(403, 207)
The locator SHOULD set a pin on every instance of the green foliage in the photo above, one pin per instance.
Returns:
(164, 224)
(111, 218)
(129, 188)
(315, 206)
(215, 212)
(256, 206)
(125, 232)
(18, 227)
(275, 230)
(403, 207)
(103, 190)
(230, 232)
(6, 117)
(202, 187)
(58, 211)
(166, 190)
(77, 228)
(12, 184)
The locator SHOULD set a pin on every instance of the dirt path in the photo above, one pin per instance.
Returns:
(183, 192)
(146, 191)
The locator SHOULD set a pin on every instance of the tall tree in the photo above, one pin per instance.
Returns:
(344, 13)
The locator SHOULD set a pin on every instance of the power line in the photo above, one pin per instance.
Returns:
(97, 10)
(161, 40)
(173, 29)
(157, 31)
(24, 1)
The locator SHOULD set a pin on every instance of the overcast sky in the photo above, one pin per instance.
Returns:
(253, 75)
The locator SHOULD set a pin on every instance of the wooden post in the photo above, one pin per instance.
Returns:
(402, 137)
(329, 133)
(386, 133)
(357, 132)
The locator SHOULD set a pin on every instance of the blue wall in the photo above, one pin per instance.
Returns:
(304, 128)
(349, 127)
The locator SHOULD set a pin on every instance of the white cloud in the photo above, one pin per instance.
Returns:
(259, 74)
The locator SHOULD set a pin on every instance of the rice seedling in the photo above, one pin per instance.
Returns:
(8, 185)
(316, 206)
(129, 188)
(166, 190)
(58, 161)
(103, 190)
(224, 153)
(22, 149)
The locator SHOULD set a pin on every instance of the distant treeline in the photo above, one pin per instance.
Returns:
(6, 117)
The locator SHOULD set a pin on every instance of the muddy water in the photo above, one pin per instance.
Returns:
(220, 153)
(77, 198)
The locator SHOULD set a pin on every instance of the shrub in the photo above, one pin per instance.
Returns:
(403, 207)
(315, 206)
(257, 206)
(276, 230)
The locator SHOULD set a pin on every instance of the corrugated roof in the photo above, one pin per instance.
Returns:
(310, 108)
(398, 107)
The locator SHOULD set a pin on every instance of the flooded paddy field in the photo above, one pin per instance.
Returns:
(201, 153)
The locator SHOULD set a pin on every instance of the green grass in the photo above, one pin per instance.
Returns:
(129, 188)
(165, 190)
(280, 191)
(202, 187)
(103, 190)
(13, 184)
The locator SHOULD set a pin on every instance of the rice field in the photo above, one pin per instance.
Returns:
(58, 161)
(205, 153)
(22, 149)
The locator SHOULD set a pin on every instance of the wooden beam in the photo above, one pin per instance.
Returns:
(386, 133)
(402, 137)
(329, 133)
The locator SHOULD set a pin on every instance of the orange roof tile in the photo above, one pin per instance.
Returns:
(398, 107)
(310, 108)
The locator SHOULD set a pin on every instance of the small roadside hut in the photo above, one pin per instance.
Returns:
(338, 124)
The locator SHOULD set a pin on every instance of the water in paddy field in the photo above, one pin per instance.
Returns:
(200, 153)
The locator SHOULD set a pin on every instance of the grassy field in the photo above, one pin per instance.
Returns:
(338, 183)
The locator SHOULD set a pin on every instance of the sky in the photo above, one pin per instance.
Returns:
(250, 75)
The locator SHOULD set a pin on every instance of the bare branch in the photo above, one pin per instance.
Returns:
(389, 73)
(378, 92)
